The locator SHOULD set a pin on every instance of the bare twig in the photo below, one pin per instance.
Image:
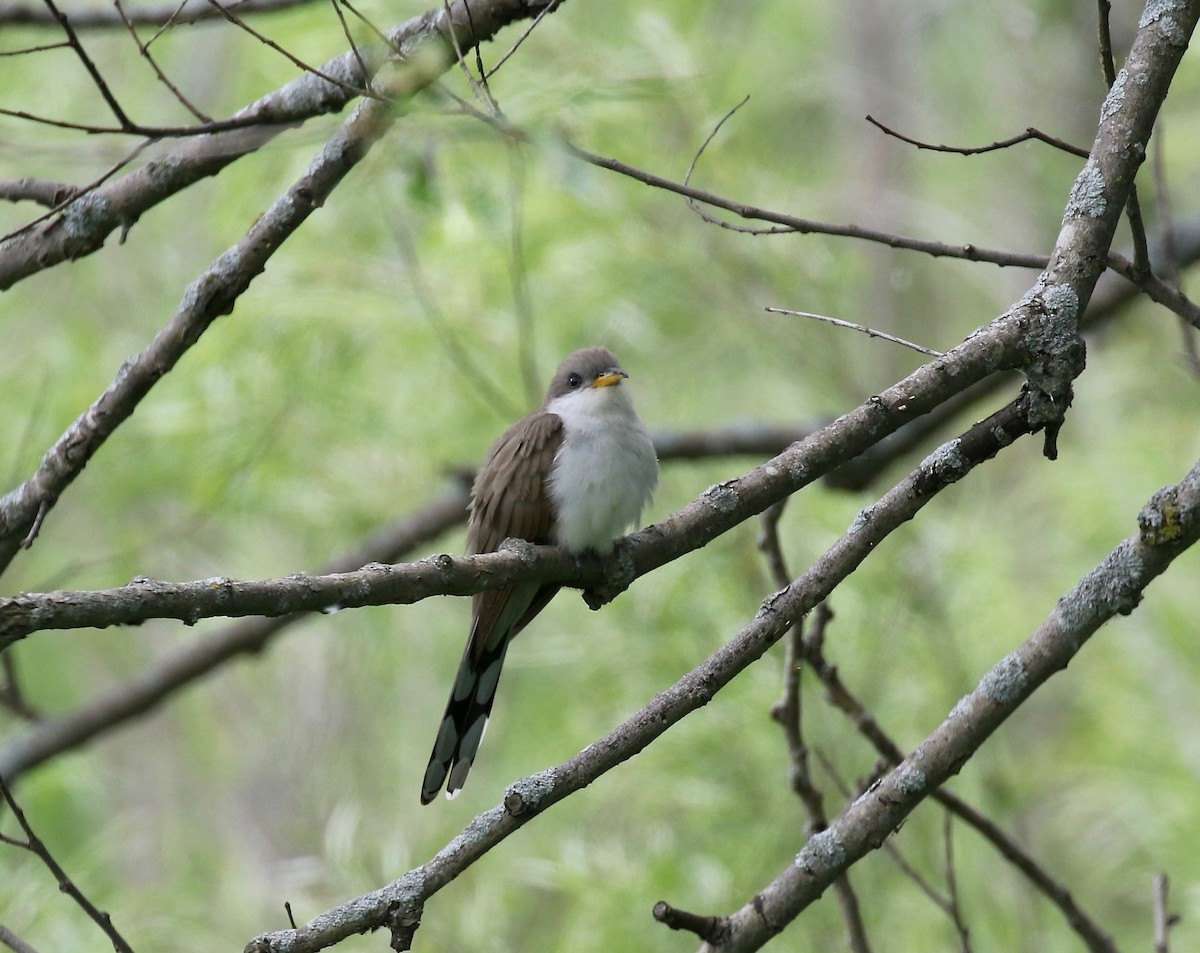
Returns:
(368, 82)
(870, 332)
(1163, 918)
(35, 846)
(788, 713)
(687, 179)
(708, 929)
(144, 50)
(350, 88)
(175, 12)
(786, 224)
(525, 34)
(1026, 136)
(11, 695)
(92, 70)
(960, 927)
(40, 48)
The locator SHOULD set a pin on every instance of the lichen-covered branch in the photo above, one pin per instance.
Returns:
(403, 900)
(85, 222)
(1168, 525)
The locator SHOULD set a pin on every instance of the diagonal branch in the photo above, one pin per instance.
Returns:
(404, 898)
(216, 291)
(36, 846)
(1168, 525)
(186, 665)
(82, 225)
(213, 294)
(160, 681)
(717, 510)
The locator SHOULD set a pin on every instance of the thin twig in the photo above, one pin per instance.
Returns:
(788, 712)
(137, 129)
(1029, 134)
(964, 935)
(144, 50)
(41, 48)
(870, 332)
(788, 224)
(11, 695)
(73, 41)
(34, 845)
(1163, 918)
(160, 16)
(546, 10)
(241, 24)
(481, 94)
(357, 53)
(687, 179)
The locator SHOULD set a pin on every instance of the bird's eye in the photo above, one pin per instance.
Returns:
(574, 380)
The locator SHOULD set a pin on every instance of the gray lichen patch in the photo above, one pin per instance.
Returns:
(1087, 199)
(1006, 682)
(824, 851)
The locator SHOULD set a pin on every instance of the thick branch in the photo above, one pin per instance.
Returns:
(1169, 524)
(529, 797)
(213, 294)
(718, 509)
(114, 707)
(83, 224)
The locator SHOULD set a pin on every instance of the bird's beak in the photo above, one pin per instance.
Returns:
(614, 375)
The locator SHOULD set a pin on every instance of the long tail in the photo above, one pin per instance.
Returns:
(463, 724)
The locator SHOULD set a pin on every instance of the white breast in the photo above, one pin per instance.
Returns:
(605, 470)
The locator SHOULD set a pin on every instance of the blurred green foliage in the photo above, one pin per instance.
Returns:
(361, 367)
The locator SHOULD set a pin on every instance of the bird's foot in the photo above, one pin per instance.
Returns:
(616, 574)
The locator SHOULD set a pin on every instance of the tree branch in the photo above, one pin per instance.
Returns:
(1168, 525)
(161, 680)
(100, 18)
(531, 796)
(66, 885)
(717, 510)
(81, 225)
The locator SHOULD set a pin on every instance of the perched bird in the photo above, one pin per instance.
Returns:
(576, 473)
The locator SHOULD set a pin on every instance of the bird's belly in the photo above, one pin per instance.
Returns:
(599, 486)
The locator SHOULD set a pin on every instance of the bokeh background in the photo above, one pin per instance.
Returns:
(419, 312)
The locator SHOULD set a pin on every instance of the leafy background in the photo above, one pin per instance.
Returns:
(330, 403)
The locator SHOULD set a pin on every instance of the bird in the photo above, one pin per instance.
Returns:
(575, 473)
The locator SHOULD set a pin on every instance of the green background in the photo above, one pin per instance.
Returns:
(331, 403)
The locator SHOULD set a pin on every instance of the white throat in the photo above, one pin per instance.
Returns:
(605, 470)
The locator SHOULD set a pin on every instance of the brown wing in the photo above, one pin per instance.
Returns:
(510, 501)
